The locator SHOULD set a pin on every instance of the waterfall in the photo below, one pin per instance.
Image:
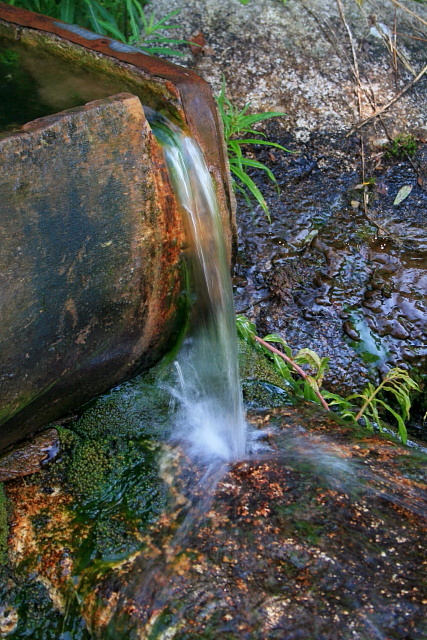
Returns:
(210, 420)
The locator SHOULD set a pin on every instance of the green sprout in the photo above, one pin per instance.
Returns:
(239, 123)
(306, 383)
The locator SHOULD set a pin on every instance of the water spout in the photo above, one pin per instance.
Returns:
(210, 418)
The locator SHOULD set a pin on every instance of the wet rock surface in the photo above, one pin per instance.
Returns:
(328, 275)
(30, 457)
(321, 535)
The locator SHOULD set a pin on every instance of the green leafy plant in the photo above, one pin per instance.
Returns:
(367, 404)
(239, 123)
(126, 21)
(142, 29)
(397, 383)
(402, 145)
(305, 385)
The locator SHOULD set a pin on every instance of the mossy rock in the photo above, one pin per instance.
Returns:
(261, 384)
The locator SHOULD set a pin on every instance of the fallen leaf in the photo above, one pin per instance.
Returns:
(403, 193)
(199, 46)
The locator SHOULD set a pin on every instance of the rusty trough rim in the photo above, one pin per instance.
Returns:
(195, 94)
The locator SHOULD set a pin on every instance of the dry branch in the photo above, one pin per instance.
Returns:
(389, 104)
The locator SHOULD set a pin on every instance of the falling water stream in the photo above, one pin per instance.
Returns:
(211, 418)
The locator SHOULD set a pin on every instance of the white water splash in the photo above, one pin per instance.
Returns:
(210, 420)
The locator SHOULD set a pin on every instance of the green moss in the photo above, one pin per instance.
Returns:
(88, 467)
(262, 385)
(114, 537)
(27, 601)
(402, 145)
(4, 529)
(109, 461)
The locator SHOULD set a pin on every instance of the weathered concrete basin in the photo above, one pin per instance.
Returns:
(90, 235)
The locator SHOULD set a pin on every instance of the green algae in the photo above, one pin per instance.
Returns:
(109, 463)
(28, 611)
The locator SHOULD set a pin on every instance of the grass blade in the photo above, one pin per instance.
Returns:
(66, 10)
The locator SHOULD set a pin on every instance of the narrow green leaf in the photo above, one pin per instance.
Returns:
(267, 143)
(281, 367)
(368, 423)
(104, 13)
(112, 30)
(401, 425)
(250, 184)
(163, 50)
(66, 11)
(247, 162)
(313, 383)
(248, 121)
(161, 23)
(133, 20)
(93, 17)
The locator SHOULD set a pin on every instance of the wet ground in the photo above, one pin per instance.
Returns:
(327, 274)
(321, 537)
(318, 534)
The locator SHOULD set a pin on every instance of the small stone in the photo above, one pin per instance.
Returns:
(29, 457)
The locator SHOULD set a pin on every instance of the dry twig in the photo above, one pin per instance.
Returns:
(389, 104)
(415, 15)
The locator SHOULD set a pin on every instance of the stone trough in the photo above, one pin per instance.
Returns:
(91, 239)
